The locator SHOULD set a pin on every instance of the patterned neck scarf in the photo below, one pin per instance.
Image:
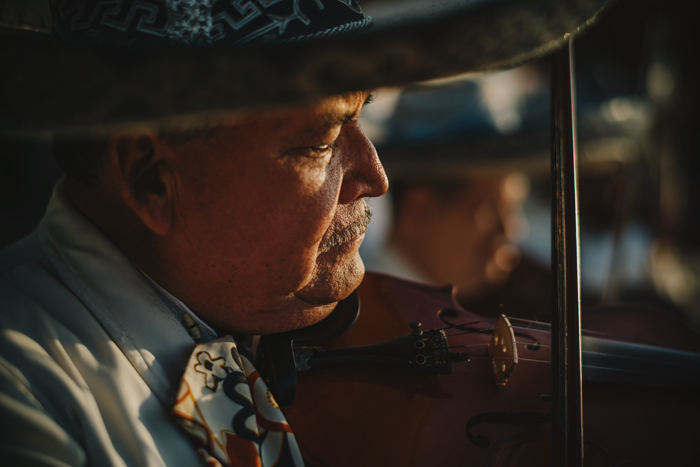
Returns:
(229, 411)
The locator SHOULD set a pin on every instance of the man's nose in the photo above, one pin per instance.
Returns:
(364, 174)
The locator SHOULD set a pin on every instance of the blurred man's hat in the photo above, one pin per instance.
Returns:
(74, 64)
(495, 122)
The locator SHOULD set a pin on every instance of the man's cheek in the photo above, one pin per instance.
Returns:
(333, 279)
(313, 223)
(292, 266)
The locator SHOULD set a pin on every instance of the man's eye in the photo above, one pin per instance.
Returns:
(320, 151)
(322, 148)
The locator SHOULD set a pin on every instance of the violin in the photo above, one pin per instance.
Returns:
(412, 379)
(415, 380)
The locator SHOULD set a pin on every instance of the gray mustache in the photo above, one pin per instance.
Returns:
(353, 230)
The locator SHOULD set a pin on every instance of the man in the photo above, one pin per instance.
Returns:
(457, 190)
(186, 212)
(164, 239)
(456, 231)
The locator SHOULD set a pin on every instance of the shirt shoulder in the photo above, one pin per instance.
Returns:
(68, 394)
(27, 250)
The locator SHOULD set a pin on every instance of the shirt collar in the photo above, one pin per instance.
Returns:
(179, 309)
(142, 318)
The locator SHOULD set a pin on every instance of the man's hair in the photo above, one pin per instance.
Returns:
(82, 158)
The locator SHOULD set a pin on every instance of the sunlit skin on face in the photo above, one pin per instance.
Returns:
(266, 216)
(258, 208)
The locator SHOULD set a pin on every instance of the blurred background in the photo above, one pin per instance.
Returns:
(468, 161)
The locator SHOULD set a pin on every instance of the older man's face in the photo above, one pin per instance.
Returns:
(271, 215)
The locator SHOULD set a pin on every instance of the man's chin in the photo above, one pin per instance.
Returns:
(333, 285)
(310, 304)
(295, 316)
(311, 316)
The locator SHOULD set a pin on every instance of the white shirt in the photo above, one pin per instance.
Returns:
(91, 352)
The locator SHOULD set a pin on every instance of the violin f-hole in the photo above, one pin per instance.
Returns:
(512, 418)
(503, 351)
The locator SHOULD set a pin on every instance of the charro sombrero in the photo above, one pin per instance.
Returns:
(111, 62)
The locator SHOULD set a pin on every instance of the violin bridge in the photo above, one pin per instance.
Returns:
(502, 349)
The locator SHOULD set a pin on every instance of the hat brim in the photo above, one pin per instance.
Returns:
(56, 87)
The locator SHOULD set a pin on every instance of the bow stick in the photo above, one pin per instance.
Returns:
(567, 418)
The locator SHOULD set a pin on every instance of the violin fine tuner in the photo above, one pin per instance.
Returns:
(420, 351)
(502, 350)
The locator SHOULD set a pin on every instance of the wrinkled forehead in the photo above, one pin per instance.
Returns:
(318, 116)
(330, 110)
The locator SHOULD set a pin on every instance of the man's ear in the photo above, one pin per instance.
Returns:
(144, 178)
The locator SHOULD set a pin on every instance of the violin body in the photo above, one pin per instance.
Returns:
(376, 416)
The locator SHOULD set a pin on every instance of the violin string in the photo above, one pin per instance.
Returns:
(602, 354)
(465, 345)
(498, 327)
(688, 365)
(531, 329)
(493, 329)
(466, 324)
(675, 365)
(513, 342)
(588, 331)
(473, 331)
(452, 326)
(495, 318)
(513, 318)
(506, 358)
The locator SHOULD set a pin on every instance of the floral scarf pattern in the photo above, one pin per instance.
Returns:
(229, 411)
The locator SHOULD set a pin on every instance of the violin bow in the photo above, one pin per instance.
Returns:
(567, 416)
